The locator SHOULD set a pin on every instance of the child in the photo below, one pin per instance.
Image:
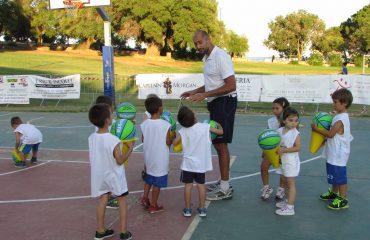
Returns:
(27, 137)
(156, 141)
(107, 170)
(337, 149)
(278, 105)
(290, 146)
(196, 145)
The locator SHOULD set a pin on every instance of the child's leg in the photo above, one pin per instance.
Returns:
(187, 194)
(291, 190)
(343, 190)
(146, 190)
(100, 212)
(122, 213)
(265, 165)
(282, 183)
(335, 188)
(155, 196)
(202, 195)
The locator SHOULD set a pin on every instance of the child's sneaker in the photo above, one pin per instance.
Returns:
(113, 204)
(338, 203)
(329, 195)
(286, 211)
(125, 236)
(145, 202)
(280, 193)
(33, 160)
(186, 212)
(281, 204)
(202, 212)
(20, 164)
(266, 192)
(107, 233)
(155, 209)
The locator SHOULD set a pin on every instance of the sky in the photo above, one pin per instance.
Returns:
(250, 17)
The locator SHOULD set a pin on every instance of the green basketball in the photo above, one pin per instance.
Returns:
(322, 120)
(126, 110)
(268, 139)
(213, 125)
(167, 116)
(124, 129)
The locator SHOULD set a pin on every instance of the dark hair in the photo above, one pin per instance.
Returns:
(186, 117)
(343, 95)
(15, 121)
(282, 101)
(289, 111)
(99, 113)
(345, 64)
(202, 32)
(104, 99)
(153, 103)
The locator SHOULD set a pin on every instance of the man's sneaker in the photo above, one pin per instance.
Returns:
(280, 193)
(329, 195)
(125, 236)
(286, 211)
(202, 212)
(20, 164)
(33, 160)
(281, 204)
(219, 194)
(145, 202)
(155, 209)
(113, 204)
(266, 192)
(215, 186)
(186, 212)
(338, 203)
(107, 233)
(143, 175)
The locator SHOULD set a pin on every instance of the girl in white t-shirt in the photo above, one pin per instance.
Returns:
(278, 106)
(290, 146)
(107, 170)
(197, 156)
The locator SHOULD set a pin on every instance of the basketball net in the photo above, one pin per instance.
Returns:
(72, 6)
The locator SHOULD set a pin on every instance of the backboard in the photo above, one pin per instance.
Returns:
(58, 4)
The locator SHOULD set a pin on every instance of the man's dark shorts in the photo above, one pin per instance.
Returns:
(222, 110)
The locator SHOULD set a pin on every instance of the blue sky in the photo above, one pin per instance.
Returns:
(250, 17)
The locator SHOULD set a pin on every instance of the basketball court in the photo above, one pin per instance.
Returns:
(50, 200)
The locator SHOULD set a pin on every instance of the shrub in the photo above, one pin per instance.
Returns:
(316, 59)
(358, 60)
(335, 59)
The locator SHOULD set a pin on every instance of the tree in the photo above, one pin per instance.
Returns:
(290, 35)
(236, 45)
(330, 41)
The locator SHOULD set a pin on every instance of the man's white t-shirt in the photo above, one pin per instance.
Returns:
(217, 67)
(337, 149)
(196, 148)
(156, 151)
(30, 134)
(106, 174)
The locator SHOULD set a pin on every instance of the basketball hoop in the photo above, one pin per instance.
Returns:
(72, 6)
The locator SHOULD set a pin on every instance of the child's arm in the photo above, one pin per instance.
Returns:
(17, 141)
(337, 128)
(296, 147)
(218, 131)
(176, 140)
(142, 137)
(118, 153)
(169, 138)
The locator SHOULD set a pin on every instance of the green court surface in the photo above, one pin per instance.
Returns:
(246, 216)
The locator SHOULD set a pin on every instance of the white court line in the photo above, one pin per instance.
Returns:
(6, 114)
(24, 169)
(33, 119)
(64, 127)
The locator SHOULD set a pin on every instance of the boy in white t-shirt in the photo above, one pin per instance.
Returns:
(107, 170)
(27, 137)
(337, 149)
(197, 156)
(156, 141)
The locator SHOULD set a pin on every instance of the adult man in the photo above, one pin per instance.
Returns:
(220, 91)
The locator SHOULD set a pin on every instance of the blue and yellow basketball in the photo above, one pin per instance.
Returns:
(15, 156)
(124, 129)
(126, 110)
(322, 120)
(268, 139)
(213, 125)
(167, 116)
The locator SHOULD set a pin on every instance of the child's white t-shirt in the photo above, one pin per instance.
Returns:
(196, 148)
(30, 134)
(337, 149)
(106, 174)
(290, 163)
(273, 123)
(156, 151)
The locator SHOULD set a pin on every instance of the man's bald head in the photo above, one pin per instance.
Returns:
(202, 42)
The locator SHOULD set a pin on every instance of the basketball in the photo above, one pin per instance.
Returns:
(268, 139)
(213, 125)
(167, 116)
(126, 110)
(322, 120)
(124, 129)
(15, 156)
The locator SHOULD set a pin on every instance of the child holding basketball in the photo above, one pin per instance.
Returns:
(27, 137)
(197, 156)
(107, 170)
(290, 146)
(278, 106)
(156, 141)
(337, 149)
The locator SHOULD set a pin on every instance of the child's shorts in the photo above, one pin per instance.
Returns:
(159, 182)
(26, 148)
(289, 166)
(337, 175)
(190, 177)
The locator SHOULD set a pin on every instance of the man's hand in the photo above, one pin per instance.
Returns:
(197, 97)
(186, 94)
